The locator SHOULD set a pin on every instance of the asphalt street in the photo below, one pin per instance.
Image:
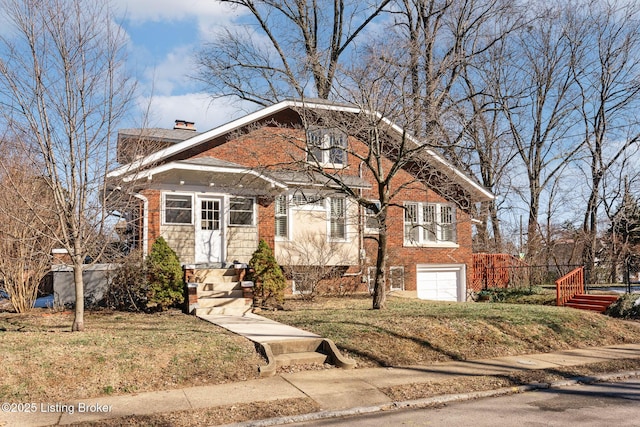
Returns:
(601, 404)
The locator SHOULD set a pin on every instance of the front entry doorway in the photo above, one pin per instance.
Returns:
(209, 231)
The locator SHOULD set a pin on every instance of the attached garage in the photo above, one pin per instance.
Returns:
(441, 282)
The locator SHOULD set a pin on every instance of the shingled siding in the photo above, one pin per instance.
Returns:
(241, 243)
(181, 238)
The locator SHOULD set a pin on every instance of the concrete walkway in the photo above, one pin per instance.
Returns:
(332, 389)
(257, 328)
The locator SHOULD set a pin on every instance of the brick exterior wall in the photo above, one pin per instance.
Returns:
(153, 215)
(273, 147)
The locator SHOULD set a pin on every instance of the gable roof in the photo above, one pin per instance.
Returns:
(476, 191)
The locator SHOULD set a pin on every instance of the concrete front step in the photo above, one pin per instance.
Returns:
(216, 275)
(280, 344)
(224, 302)
(218, 286)
(217, 293)
(298, 345)
(226, 311)
(306, 358)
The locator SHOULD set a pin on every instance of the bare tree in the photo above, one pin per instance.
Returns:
(25, 242)
(63, 88)
(485, 147)
(389, 157)
(608, 77)
(288, 44)
(445, 50)
(538, 98)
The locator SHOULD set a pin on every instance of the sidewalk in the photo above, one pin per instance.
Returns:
(332, 389)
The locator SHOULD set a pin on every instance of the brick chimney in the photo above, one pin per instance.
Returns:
(185, 125)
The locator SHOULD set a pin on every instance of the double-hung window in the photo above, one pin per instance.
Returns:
(178, 209)
(338, 218)
(241, 211)
(426, 223)
(371, 221)
(328, 147)
(282, 217)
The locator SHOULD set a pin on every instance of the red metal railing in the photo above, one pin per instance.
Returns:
(569, 285)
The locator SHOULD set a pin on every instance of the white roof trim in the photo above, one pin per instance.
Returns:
(265, 112)
(201, 168)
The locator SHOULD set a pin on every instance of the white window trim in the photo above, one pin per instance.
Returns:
(326, 149)
(253, 212)
(296, 291)
(366, 216)
(288, 215)
(346, 222)
(164, 208)
(422, 242)
(307, 206)
(391, 269)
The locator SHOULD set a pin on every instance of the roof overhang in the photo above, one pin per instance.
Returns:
(186, 173)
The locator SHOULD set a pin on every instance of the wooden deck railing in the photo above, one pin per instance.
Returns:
(569, 285)
(495, 271)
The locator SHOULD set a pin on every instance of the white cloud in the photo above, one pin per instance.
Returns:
(164, 68)
(196, 107)
(140, 11)
(174, 73)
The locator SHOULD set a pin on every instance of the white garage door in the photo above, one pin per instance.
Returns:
(441, 283)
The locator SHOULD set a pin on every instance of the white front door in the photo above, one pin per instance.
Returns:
(209, 230)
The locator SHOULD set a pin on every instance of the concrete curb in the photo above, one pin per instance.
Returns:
(434, 401)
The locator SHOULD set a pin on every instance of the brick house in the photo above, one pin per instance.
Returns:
(213, 195)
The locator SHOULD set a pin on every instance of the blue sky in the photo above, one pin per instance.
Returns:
(164, 36)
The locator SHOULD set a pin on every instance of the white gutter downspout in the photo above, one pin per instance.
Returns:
(145, 223)
(361, 219)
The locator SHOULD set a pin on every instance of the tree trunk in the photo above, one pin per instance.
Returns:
(379, 290)
(78, 321)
